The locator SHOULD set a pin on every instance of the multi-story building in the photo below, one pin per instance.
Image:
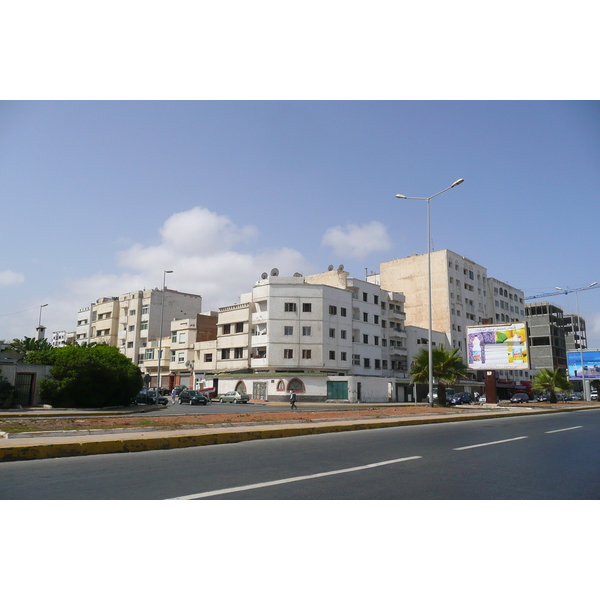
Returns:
(325, 336)
(575, 333)
(547, 345)
(61, 338)
(133, 320)
(179, 362)
(459, 291)
(506, 302)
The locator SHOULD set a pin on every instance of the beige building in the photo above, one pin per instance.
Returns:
(459, 292)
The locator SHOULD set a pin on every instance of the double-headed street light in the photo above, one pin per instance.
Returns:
(586, 395)
(162, 313)
(402, 197)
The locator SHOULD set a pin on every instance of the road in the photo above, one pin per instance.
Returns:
(555, 456)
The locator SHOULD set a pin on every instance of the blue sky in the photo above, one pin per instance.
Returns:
(100, 196)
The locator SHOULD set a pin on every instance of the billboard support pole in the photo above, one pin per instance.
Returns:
(490, 387)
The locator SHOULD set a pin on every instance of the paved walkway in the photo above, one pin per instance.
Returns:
(85, 442)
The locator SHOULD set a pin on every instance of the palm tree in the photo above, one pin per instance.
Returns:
(447, 368)
(550, 381)
(28, 344)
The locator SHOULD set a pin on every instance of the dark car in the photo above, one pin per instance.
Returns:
(519, 398)
(193, 397)
(462, 398)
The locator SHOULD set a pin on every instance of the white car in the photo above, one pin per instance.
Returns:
(234, 397)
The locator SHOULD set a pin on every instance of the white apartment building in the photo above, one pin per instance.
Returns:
(324, 336)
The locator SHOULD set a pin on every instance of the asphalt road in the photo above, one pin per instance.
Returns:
(540, 457)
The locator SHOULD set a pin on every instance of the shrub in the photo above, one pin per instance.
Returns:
(91, 377)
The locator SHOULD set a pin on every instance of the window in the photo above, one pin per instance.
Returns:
(306, 331)
(307, 307)
(225, 354)
(331, 332)
(306, 354)
(181, 357)
(376, 319)
(342, 311)
(365, 338)
(343, 356)
(149, 354)
(333, 310)
(288, 353)
(288, 330)
(290, 307)
(376, 342)
(367, 363)
(143, 325)
(226, 329)
(332, 355)
(356, 359)
(238, 353)
(365, 296)
(239, 328)
(343, 334)
(130, 344)
(208, 358)
(376, 299)
(173, 337)
(131, 328)
(384, 365)
(181, 337)
(377, 363)
(366, 317)
(172, 355)
(145, 309)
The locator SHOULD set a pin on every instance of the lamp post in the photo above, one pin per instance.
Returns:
(160, 335)
(402, 197)
(568, 291)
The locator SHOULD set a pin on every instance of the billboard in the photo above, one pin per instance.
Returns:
(591, 364)
(498, 347)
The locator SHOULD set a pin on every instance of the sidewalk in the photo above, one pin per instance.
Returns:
(94, 442)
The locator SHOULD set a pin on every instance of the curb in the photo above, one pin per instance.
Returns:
(165, 441)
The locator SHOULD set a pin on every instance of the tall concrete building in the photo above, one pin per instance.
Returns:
(547, 344)
(133, 320)
(459, 292)
(575, 333)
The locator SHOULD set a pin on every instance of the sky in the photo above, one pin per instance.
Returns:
(100, 197)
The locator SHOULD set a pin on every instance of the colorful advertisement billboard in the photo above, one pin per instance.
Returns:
(591, 364)
(498, 347)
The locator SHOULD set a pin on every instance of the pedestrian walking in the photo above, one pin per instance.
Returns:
(173, 395)
(293, 399)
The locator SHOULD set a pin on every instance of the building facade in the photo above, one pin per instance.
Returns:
(547, 344)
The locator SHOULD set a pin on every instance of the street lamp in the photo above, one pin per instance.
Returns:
(162, 313)
(402, 197)
(568, 291)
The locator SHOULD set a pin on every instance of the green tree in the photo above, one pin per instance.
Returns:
(27, 345)
(551, 381)
(91, 377)
(447, 368)
(7, 391)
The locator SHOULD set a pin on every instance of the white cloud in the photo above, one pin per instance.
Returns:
(200, 247)
(11, 278)
(357, 241)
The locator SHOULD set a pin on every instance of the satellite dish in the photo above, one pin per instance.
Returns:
(341, 268)
(187, 363)
(264, 276)
(297, 274)
(330, 268)
(274, 272)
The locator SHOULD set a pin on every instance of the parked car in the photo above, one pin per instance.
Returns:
(576, 396)
(234, 397)
(594, 394)
(519, 398)
(462, 398)
(482, 399)
(193, 397)
(179, 388)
